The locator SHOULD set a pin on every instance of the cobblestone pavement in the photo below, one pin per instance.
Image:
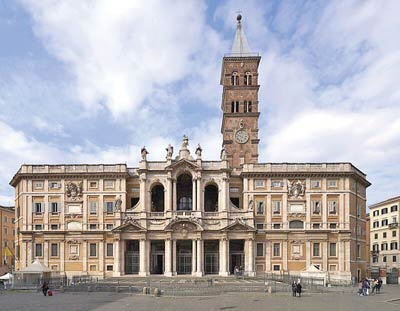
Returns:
(388, 300)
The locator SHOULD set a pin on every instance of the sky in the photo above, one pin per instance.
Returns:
(93, 81)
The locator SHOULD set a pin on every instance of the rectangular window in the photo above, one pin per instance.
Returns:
(358, 252)
(393, 208)
(109, 249)
(384, 211)
(384, 247)
(260, 226)
(38, 207)
(385, 222)
(316, 225)
(375, 213)
(92, 226)
(93, 184)
(277, 249)
(332, 249)
(277, 226)
(332, 205)
(38, 250)
(332, 183)
(55, 207)
(260, 183)
(374, 259)
(384, 259)
(316, 249)
(54, 226)
(109, 184)
(384, 234)
(5, 219)
(315, 184)
(5, 231)
(260, 207)
(54, 185)
(93, 208)
(394, 233)
(109, 226)
(38, 227)
(54, 250)
(260, 249)
(394, 259)
(376, 236)
(109, 267)
(316, 205)
(332, 226)
(375, 224)
(92, 249)
(37, 185)
(276, 184)
(109, 207)
(393, 246)
(276, 207)
(276, 267)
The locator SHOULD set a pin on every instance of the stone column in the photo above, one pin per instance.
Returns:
(341, 255)
(341, 211)
(142, 256)
(347, 252)
(285, 255)
(225, 194)
(84, 256)
(324, 211)
(199, 194)
(245, 193)
(194, 194)
(251, 257)
(143, 198)
(169, 195)
(46, 253)
(173, 257)
(325, 255)
(117, 259)
(168, 258)
(308, 212)
(269, 213)
(194, 253)
(29, 210)
(101, 256)
(285, 224)
(267, 256)
(174, 207)
(308, 254)
(223, 257)
(62, 257)
(199, 257)
(46, 207)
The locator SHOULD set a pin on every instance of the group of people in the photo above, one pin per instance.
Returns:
(296, 288)
(365, 285)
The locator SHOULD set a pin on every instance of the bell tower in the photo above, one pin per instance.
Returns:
(239, 78)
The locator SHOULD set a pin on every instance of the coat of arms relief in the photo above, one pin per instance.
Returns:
(296, 189)
(74, 191)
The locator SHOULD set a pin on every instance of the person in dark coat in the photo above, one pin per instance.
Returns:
(298, 285)
(45, 288)
(294, 289)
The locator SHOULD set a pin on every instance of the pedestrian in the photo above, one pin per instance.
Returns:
(379, 286)
(45, 288)
(374, 285)
(360, 288)
(294, 289)
(298, 286)
(365, 287)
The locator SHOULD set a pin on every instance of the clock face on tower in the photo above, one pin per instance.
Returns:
(241, 136)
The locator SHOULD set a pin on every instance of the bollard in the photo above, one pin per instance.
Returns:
(157, 292)
(145, 290)
(117, 289)
(269, 289)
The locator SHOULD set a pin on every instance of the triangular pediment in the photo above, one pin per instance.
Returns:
(183, 163)
(129, 227)
(238, 226)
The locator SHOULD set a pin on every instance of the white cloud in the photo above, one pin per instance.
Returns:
(122, 53)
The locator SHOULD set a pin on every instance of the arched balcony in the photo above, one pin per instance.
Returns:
(184, 192)
(157, 199)
(211, 198)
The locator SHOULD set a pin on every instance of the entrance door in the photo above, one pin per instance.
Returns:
(184, 257)
(392, 277)
(236, 255)
(132, 257)
(157, 257)
(211, 257)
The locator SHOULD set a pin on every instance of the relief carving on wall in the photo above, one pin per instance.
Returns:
(74, 191)
(296, 189)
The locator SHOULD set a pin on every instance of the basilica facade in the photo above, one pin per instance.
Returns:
(187, 216)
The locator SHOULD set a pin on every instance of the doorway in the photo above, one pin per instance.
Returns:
(211, 257)
(184, 257)
(132, 257)
(157, 257)
(236, 255)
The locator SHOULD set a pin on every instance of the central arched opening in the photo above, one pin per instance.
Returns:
(157, 199)
(211, 198)
(184, 191)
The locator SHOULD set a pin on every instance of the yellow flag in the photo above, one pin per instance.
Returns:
(8, 252)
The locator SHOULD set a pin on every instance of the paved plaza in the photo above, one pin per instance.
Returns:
(388, 300)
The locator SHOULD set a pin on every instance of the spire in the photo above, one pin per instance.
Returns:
(240, 47)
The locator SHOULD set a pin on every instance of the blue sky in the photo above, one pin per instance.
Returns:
(93, 81)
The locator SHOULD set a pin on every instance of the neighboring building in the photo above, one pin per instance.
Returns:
(7, 237)
(385, 240)
(367, 244)
(185, 215)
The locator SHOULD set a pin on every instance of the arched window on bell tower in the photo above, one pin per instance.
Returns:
(247, 78)
(235, 78)
(184, 188)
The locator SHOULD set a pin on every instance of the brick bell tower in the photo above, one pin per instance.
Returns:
(239, 78)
